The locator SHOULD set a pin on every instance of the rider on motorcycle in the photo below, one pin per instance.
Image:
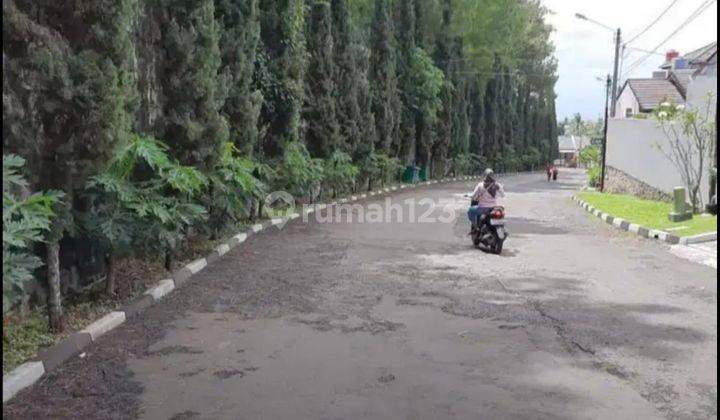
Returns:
(485, 195)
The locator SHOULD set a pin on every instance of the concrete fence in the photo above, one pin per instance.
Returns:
(632, 147)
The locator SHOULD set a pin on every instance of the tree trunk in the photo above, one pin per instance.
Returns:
(168, 259)
(55, 311)
(110, 279)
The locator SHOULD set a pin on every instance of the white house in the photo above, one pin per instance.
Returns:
(642, 96)
(680, 80)
(570, 147)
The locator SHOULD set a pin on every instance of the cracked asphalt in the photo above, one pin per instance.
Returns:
(403, 320)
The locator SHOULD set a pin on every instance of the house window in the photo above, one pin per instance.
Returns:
(628, 112)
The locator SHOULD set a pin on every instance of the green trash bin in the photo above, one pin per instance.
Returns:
(410, 176)
(423, 175)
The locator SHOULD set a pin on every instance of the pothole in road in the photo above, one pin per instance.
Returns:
(228, 373)
(165, 351)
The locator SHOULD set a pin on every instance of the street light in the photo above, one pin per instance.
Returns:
(617, 56)
(583, 17)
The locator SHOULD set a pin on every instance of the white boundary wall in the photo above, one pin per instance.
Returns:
(631, 148)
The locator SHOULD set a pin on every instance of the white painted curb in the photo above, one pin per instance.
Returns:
(222, 249)
(197, 265)
(257, 227)
(21, 377)
(163, 288)
(104, 324)
(240, 237)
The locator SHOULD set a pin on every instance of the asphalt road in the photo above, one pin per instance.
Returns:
(406, 320)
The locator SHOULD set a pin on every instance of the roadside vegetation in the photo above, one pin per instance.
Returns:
(591, 159)
(138, 133)
(649, 214)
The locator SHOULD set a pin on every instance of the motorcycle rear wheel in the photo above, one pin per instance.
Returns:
(498, 247)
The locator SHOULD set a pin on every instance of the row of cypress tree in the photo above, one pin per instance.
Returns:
(446, 85)
(365, 76)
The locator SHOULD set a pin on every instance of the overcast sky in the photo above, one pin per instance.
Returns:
(585, 50)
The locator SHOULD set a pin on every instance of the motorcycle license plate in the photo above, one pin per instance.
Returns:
(497, 222)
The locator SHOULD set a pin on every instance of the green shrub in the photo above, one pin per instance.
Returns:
(593, 176)
(339, 173)
(389, 169)
(463, 164)
(233, 187)
(298, 173)
(25, 221)
(590, 156)
(369, 170)
(142, 202)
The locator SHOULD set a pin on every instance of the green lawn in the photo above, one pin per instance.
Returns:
(650, 214)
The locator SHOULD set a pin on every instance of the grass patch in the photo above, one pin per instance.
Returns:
(24, 338)
(647, 213)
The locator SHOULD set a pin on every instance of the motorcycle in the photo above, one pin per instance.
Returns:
(489, 230)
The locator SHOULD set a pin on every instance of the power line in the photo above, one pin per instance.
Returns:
(703, 6)
(642, 50)
(672, 3)
(699, 11)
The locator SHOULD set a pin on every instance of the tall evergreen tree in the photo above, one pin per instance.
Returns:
(348, 76)
(461, 125)
(492, 109)
(444, 125)
(192, 124)
(239, 36)
(383, 77)
(406, 32)
(279, 72)
(478, 116)
(365, 145)
(322, 131)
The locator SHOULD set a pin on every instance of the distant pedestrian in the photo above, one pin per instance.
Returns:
(548, 171)
(554, 173)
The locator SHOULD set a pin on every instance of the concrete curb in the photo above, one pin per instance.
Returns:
(50, 358)
(629, 227)
(163, 288)
(21, 377)
(698, 239)
(107, 323)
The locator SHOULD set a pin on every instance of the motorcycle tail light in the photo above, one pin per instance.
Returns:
(497, 214)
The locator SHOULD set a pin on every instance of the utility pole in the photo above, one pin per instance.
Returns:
(618, 40)
(618, 43)
(603, 148)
